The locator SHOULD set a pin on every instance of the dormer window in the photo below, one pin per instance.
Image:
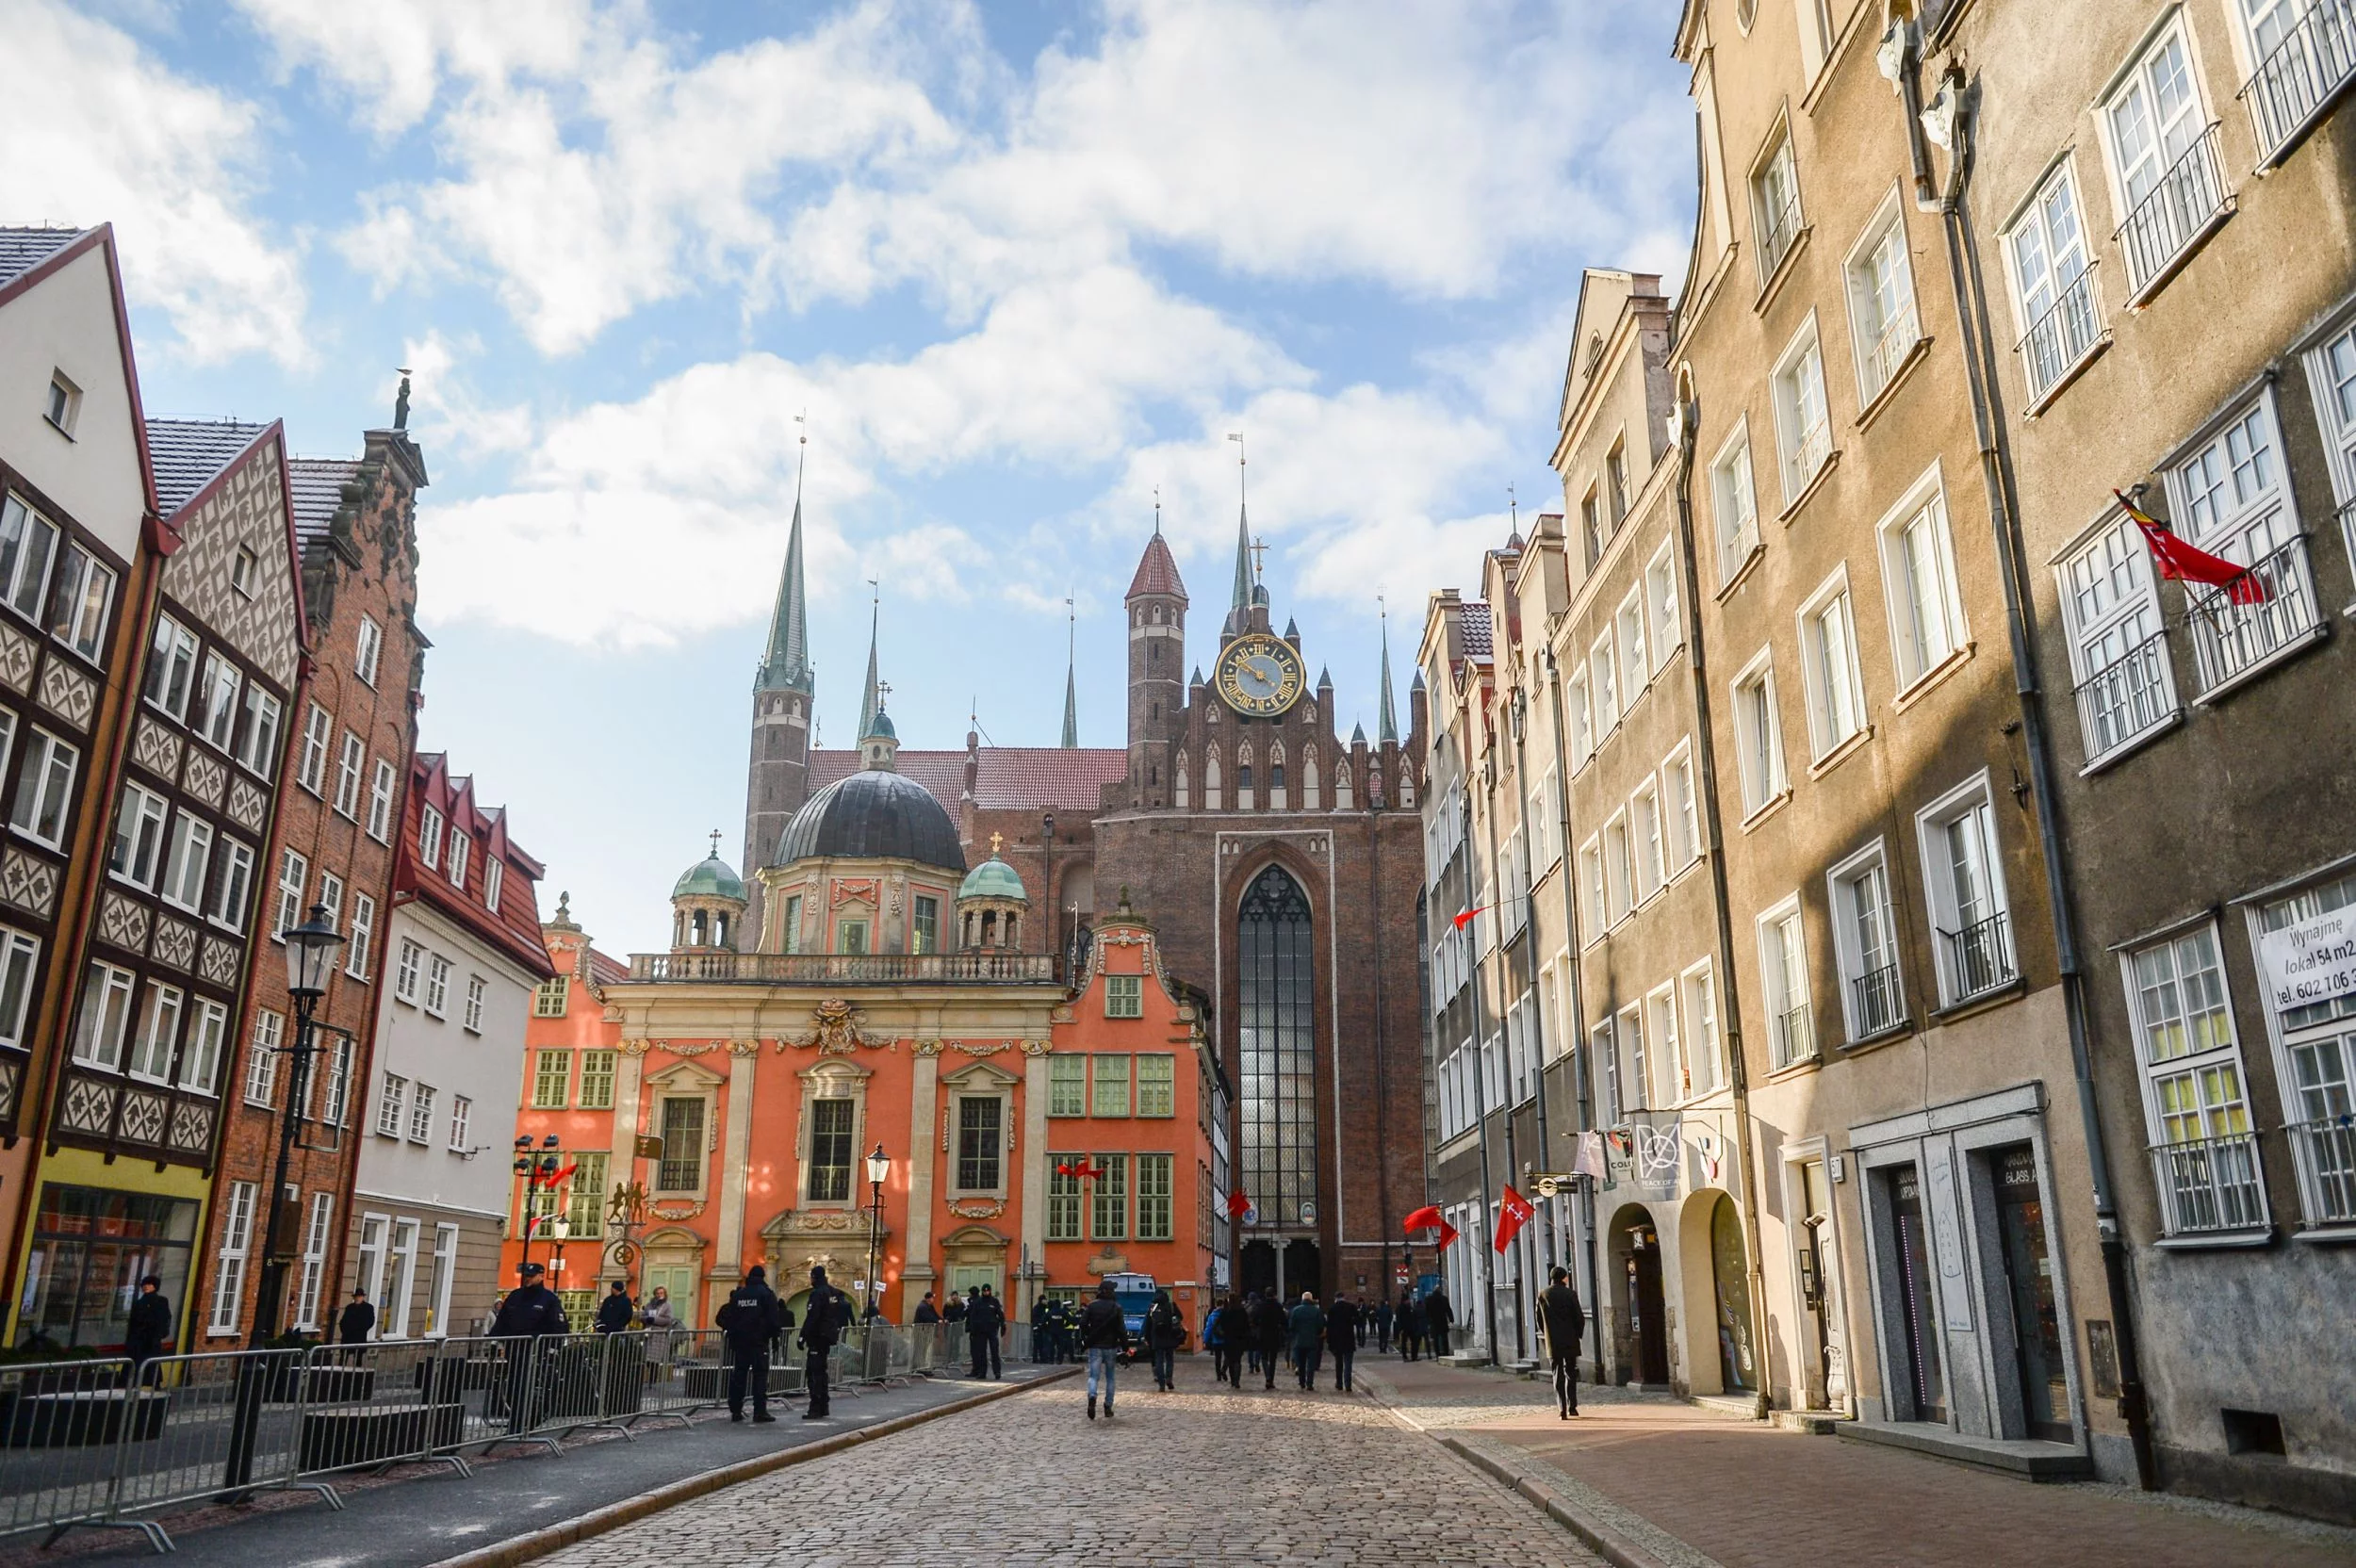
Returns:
(64, 405)
(430, 836)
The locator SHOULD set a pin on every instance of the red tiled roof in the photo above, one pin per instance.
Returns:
(1008, 778)
(1157, 572)
(1477, 628)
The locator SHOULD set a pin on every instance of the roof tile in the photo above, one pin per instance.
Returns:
(1476, 631)
(188, 454)
(21, 250)
(317, 486)
(1010, 778)
(1157, 571)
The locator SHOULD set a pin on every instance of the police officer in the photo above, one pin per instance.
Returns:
(984, 1321)
(529, 1310)
(822, 1324)
(749, 1318)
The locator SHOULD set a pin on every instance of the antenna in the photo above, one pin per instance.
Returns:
(1514, 506)
(1242, 496)
(801, 463)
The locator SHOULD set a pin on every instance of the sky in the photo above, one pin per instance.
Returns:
(1013, 269)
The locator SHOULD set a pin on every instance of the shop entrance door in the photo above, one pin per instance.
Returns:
(1645, 1310)
(2035, 1314)
(1918, 1311)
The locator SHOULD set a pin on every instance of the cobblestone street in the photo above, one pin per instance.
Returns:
(1193, 1477)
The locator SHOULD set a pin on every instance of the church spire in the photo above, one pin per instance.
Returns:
(786, 662)
(871, 701)
(1386, 725)
(1071, 678)
(1240, 609)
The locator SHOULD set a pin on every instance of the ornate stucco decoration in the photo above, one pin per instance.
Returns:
(695, 1048)
(1038, 1048)
(835, 1031)
(928, 1048)
(634, 1048)
(1061, 1013)
(984, 1048)
(676, 1213)
(1108, 1262)
(978, 1208)
(744, 1048)
(864, 890)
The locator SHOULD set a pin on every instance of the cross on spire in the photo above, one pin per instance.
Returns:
(716, 843)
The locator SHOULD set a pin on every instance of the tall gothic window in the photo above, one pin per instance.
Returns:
(1278, 988)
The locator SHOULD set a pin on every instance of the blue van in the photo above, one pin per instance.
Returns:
(1135, 1292)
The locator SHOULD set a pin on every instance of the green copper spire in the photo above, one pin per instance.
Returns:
(1072, 681)
(787, 661)
(1240, 609)
(1386, 724)
(871, 702)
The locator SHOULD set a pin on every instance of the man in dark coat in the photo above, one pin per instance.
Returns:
(1104, 1334)
(1438, 1317)
(925, 1310)
(749, 1318)
(1383, 1328)
(529, 1310)
(821, 1324)
(1408, 1324)
(984, 1321)
(1306, 1323)
(148, 1328)
(356, 1321)
(1269, 1328)
(1564, 1320)
(1341, 1336)
(616, 1312)
(955, 1311)
(1232, 1325)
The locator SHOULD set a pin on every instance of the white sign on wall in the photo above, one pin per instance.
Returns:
(2312, 961)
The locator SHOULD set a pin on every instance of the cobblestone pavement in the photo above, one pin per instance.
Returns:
(1192, 1477)
(1697, 1487)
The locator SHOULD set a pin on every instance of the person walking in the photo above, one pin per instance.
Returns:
(1383, 1328)
(1306, 1323)
(1040, 1320)
(147, 1328)
(1104, 1334)
(616, 1311)
(357, 1321)
(1342, 1325)
(749, 1318)
(985, 1322)
(1268, 1330)
(1438, 1317)
(821, 1324)
(1165, 1331)
(1408, 1323)
(1251, 1339)
(1232, 1324)
(1564, 1319)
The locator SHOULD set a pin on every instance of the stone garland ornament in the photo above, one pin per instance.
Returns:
(928, 1048)
(978, 1208)
(835, 1031)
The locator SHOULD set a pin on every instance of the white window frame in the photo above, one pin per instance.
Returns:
(171, 667)
(337, 1094)
(187, 860)
(24, 572)
(318, 730)
(460, 1117)
(381, 790)
(358, 943)
(349, 768)
(315, 1236)
(405, 971)
(140, 819)
(1591, 891)
(155, 1039)
(368, 649)
(471, 1017)
(257, 739)
(1885, 332)
(423, 1120)
(261, 1063)
(1582, 719)
(1619, 869)
(1698, 1026)
(1765, 779)
(1734, 502)
(1834, 678)
(2057, 317)
(207, 1048)
(1803, 444)
(1974, 795)
(233, 890)
(444, 1277)
(1666, 1060)
(1631, 647)
(1868, 872)
(102, 1032)
(392, 1095)
(84, 595)
(1602, 658)
(1767, 205)
(429, 835)
(2194, 1175)
(1784, 988)
(402, 1263)
(1912, 661)
(294, 875)
(2314, 1064)
(45, 789)
(20, 967)
(1662, 607)
(494, 869)
(223, 682)
(460, 857)
(236, 1240)
(2331, 378)
(2182, 165)
(2263, 532)
(1680, 806)
(436, 985)
(1648, 847)
(2121, 675)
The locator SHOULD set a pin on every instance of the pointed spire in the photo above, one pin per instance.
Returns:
(1071, 677)
(1358, 734)
(871, 703)
(1386, 723)
(1325, 679)
(1240, 608)
(787, 661)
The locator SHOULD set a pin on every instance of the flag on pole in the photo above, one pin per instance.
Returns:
(1513, 1212)
(2179, 561)
(561, 1175)
(1590, 1160)
(1081, 1172)
(1429, 1217)
(1464, 916)
(1239, 1203)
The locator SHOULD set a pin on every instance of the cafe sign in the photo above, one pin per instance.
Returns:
(2312, 961)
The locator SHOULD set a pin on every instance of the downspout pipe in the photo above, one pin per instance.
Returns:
(1479, 1077)
(1998, 480)
(1496, 867)
(1530, 938)
(1577, 1045)
(1738, 1071)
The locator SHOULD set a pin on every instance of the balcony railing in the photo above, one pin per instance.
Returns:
(1806, 457)
(1777, 230)
(1792, 1035)
(1738, 548)
(2229, 639)
(2065, 335)
(2178, 208)
(2126, 697)
(1979, 958)
(2210, 1184)
(2302, 75)
(1875, 1001)
(849, 969)
(2325, 1153)
(1897, 340)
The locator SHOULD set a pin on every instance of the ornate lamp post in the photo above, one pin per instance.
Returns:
(310, 957)
(537, 1172)
(879, 1166)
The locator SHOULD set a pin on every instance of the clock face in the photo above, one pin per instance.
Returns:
(1259, 675)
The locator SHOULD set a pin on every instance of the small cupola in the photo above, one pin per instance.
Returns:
(879, 748)
(707, 905)
(991, 904)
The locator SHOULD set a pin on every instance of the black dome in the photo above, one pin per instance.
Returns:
(874, 815)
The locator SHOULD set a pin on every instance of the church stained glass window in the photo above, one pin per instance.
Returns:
(1278, 993)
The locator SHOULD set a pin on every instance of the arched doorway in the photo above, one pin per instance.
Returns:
(1640, 1330)
(1731, 1292)
(1276, 1012)
(1255, 1271)
(1302, 1270)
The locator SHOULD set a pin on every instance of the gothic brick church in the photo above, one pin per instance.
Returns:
(1280, 866)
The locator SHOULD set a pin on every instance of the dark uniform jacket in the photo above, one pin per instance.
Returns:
(355, 1323)
(821, 1317)
(749, 1316)
(1437, 1315)
(529, 1310)
(1233, 1324)
(1164, 1328)
(984, 1317)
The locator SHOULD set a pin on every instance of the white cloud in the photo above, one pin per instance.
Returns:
(99, 131)
(390, 58)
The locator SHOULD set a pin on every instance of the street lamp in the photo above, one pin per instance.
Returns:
(310, 955)
(879, 1166)
(535, 1172)
(562, 1229)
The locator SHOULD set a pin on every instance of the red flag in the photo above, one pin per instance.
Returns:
(1081, 1172)
(1464, 916)
(1239, 1203)
(2179, 559)
(1428, 1217)
(1447, 1235)
(561, 1175)
(1513, 1212)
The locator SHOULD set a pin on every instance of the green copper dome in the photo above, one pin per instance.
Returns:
(709, 877)
(993, 878)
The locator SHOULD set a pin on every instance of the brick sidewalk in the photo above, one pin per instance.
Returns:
(1746, 1495)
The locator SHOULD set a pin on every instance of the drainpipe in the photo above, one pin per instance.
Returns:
(1504, 1034)
(1530, 939)
(1480, 1089)
(1580, 1065)
(1705, 743)
(1996, 478)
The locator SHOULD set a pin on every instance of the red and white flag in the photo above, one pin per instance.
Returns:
(1513, 1212)
(2179, 559)
(1429, 1217)
(1239, 1203)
